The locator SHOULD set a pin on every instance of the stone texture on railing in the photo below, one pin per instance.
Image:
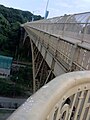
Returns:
(66, 97)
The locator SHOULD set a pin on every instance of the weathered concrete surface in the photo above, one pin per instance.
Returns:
(42, 105)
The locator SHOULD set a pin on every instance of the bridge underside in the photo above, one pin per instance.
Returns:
(42, 73)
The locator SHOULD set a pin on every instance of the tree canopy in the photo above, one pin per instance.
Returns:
(10, 20)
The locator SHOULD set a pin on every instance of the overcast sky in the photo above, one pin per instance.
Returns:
(55, 7)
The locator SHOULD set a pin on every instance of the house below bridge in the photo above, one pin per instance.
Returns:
(5, 65)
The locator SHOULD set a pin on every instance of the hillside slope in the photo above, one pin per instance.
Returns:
(10, 20)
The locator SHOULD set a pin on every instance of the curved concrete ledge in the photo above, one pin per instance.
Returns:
(39, 106)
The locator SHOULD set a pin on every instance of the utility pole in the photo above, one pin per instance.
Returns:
(46, 12)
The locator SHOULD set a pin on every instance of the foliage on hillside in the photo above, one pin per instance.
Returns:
(10, 20)
(19, 84)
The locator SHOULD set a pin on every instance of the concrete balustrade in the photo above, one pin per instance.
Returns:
(66, 97)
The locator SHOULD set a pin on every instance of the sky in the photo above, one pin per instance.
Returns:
(55, 7)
